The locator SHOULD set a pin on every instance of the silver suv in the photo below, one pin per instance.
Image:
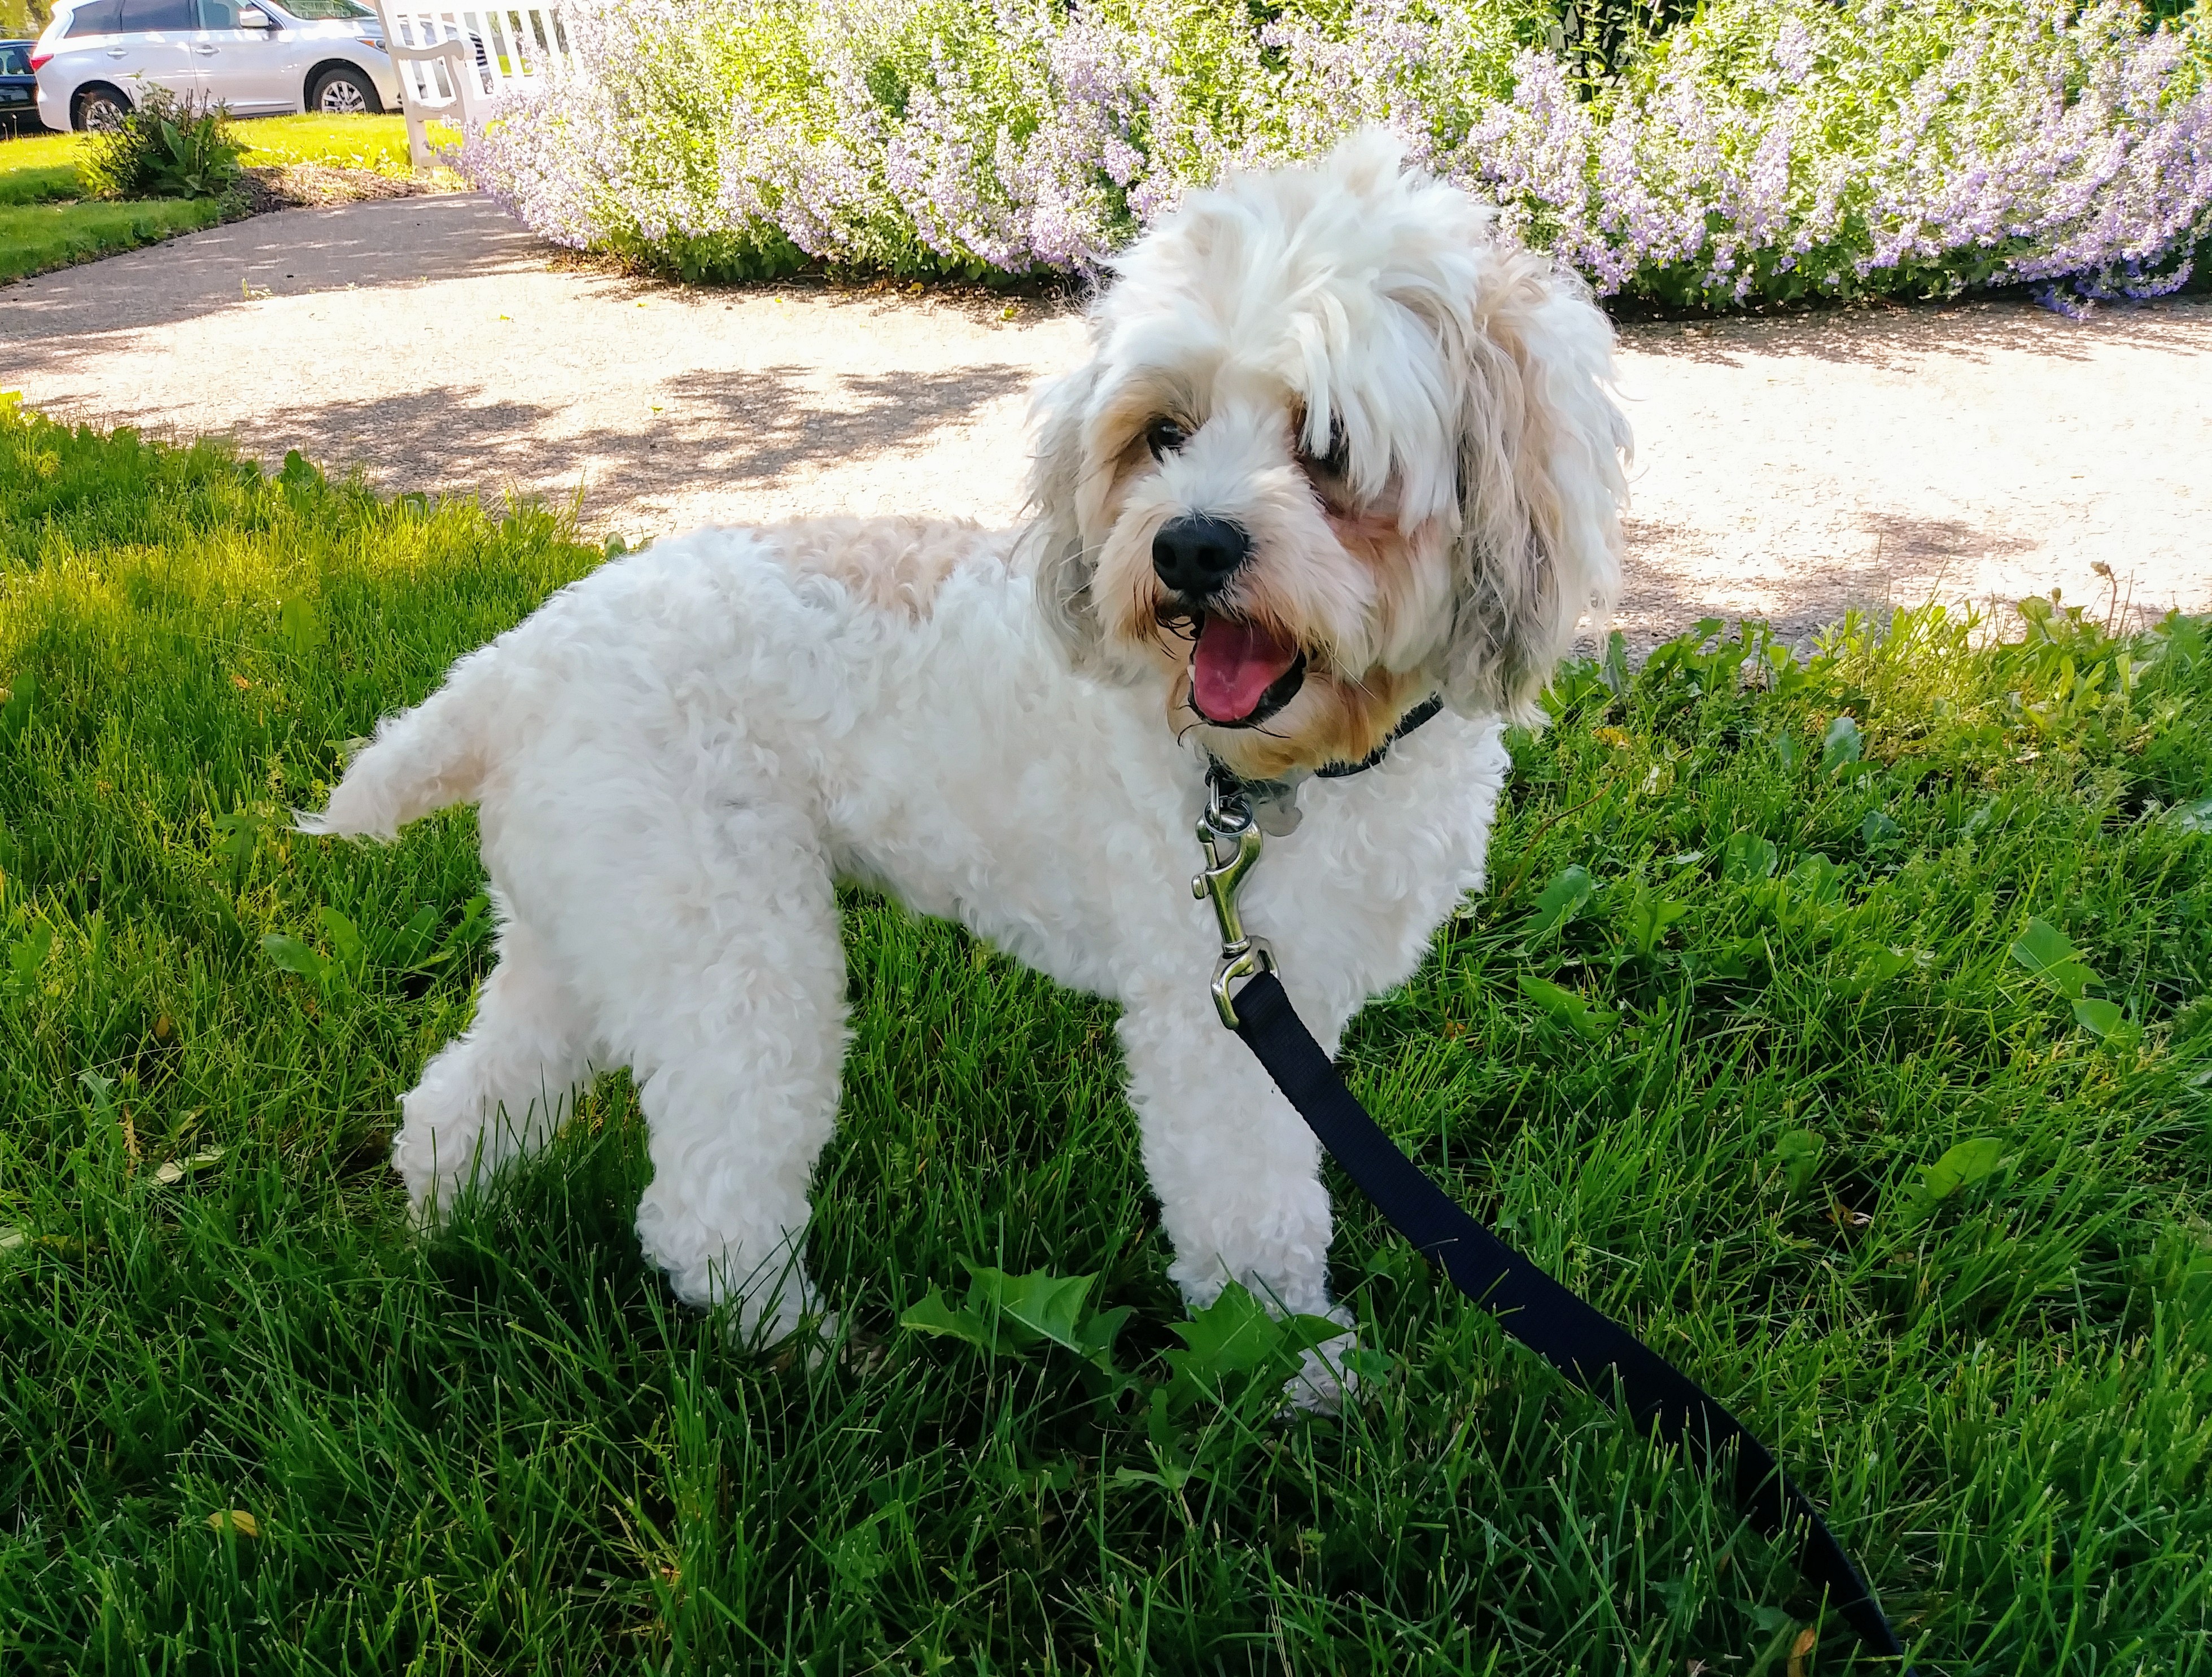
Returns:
(256, 57)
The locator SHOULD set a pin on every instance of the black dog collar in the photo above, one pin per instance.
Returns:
(1275, 804)
(1424, 712)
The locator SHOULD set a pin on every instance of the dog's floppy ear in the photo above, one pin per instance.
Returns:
(1542, 449)
(1061, 560)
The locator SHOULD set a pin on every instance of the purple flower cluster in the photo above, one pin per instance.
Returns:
(1771, 148)
(1923, 148)
(2089, 160)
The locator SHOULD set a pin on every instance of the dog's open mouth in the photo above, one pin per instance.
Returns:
(1241, 674)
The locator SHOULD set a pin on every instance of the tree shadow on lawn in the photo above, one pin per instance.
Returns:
(740, 428)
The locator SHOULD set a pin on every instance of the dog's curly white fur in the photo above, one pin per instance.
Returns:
(1399, 424)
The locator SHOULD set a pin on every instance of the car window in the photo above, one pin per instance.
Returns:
(218, 14)
(101, 17)
(149, 15)
(316, 10)
(15, 61)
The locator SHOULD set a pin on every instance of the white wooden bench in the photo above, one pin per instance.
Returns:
(455, 63)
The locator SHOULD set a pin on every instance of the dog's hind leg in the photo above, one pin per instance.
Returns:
(735, 1029)
(502, 1086)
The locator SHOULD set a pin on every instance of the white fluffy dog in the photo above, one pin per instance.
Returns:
(1338, 450)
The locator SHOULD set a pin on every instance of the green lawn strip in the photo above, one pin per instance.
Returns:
(42, 226)
(37, 149)
(39, 168)
(377, 143)
(36, 237)
(1766, 1078)
(48, 183)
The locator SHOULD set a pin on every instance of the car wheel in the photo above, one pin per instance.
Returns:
(97, 109)
(344, 93)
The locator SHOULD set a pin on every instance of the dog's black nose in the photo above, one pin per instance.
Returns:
(1194, 555)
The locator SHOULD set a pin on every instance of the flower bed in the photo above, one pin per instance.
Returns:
(1761, 152)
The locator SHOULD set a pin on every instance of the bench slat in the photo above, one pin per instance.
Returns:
(457, 62)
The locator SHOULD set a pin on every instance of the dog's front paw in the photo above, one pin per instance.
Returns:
(1323, 1384)
(779, 1316)
(432, 1193)
(811, 1340)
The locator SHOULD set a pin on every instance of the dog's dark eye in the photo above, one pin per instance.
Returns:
(1335, 463)
(1163, 437)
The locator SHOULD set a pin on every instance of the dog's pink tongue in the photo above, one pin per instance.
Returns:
(1234, 665)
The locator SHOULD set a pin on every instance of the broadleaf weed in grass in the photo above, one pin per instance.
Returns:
(1236, 1347)
(1840, 747)
(2049, 959)
(1011, 1314)
(1568, 1008)
(1570, 890)
(502, 1445)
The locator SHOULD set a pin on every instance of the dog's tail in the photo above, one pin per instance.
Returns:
(421, 760)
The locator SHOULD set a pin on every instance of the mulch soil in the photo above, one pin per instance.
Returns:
(314, 186)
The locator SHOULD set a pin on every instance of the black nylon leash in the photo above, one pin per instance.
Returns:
(1573, 1336)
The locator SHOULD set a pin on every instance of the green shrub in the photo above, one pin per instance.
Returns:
(1753, 150)
(168, 148)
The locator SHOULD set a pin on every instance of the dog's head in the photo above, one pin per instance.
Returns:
(1337, 447)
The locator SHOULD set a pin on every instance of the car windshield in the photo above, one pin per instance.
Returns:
(315, 11)
(15, 59)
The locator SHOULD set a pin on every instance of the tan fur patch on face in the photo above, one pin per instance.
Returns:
(1121, 434)
(894, 564)
(1373, 538)
(1331, 721)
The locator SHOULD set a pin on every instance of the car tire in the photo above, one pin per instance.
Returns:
(343, 92)
(98, 108)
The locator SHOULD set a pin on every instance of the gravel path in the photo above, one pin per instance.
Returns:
(1791, 469)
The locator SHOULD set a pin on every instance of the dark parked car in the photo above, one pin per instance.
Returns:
(19, 88)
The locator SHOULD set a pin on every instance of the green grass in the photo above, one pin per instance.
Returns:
(378, 143)
(43, 224)
(36, 237)
(1766, 1078)
(39, 168)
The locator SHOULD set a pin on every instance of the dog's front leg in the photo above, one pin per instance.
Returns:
(1236, 1171)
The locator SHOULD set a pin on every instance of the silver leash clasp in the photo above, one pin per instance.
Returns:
(1232, 841)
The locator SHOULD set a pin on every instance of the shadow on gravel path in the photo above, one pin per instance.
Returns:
(389, 242)
(1790, 468)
